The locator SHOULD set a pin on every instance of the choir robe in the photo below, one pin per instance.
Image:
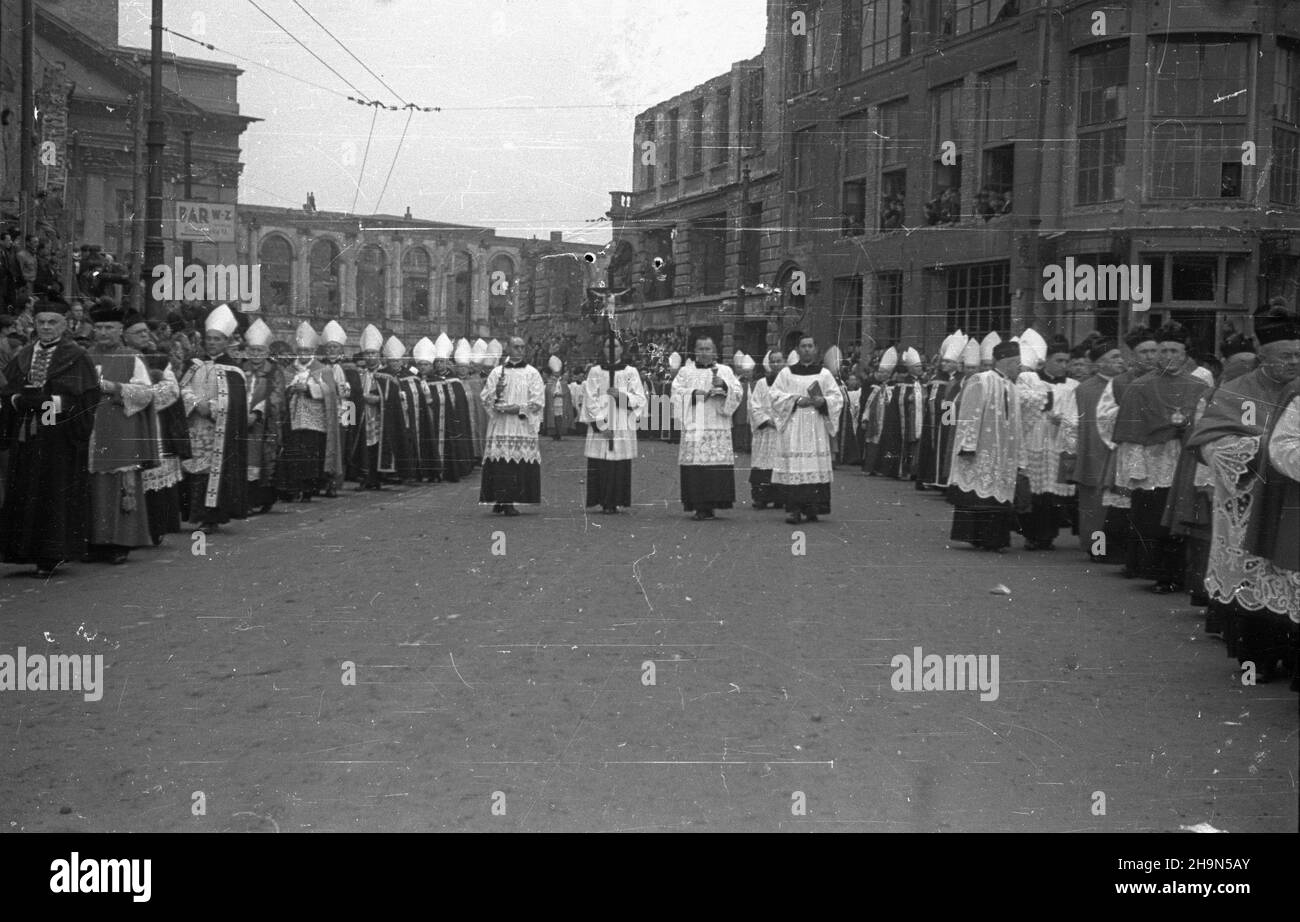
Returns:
(872, 424)
(218, 466)
(1081, 437)
(1254, 598)
(847, 445)
(1275, 535)
(611, 434)
(450, 405)
(559, 416)
(384, 450)
(421, 445)
(352, 429)
(312, 457)
(900, 430)
(947, 428)
(988, 453)
(706, 461)
(161, 484)
(477, 416)
(1041, 402)
(1147, 445)
(123, 443)
(804, 460)
(267, 401)
(927, 451)
(48, 432)
(512, 462)
(742, 437)
(761, 489)
(575, 397)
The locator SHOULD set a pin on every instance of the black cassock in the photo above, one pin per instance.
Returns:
(48, 488)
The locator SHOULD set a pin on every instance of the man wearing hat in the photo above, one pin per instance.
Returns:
(311, 457)
(874, 408)
(162, 495)
(1154, 419)
(346, 382)
(216, 404)
(988, 453)
(123, 443)
(1042, 397)
(559, 402)
(381, 437)
(1081, 440)
(47, 408)
(1251, 598)
(266, 398)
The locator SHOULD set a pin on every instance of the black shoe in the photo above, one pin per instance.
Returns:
(811, 517)
(701, 515)
(757, 505)
(1163, 588)
(508, 509)
(609, 510)
(792, 519)
(498, 509)
(331, 493)
(265, 509)
(117, 558)
(45, 568)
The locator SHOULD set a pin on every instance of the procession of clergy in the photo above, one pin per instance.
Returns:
(1189, 481)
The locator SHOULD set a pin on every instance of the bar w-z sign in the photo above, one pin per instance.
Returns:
(209, 222)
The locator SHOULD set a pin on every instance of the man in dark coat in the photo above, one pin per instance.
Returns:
(47, 411)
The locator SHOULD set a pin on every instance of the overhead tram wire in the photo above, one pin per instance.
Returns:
(349, 51)
(309, 51)
(255, 63)
(364, 158)
(379, 201)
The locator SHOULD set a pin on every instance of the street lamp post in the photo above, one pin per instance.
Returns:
(153, 242)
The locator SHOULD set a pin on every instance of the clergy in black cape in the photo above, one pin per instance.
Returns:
(449, 409)
(47, 409)
(216, 401)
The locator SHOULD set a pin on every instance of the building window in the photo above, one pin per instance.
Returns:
(893, 199)
(415, 283)
(957, 17)
(501, 289)
(1285, 184)
(709, 253)
(462, 294)
(948, 136)
(893, 171)
(751, 243)
(1100, 118)
(276, 258)
(752, 118)
(805, 67)
(674, 142)
(886, 31)
(793, 304)
(697, 135)
(979, 297)
(805, 192)
(371, 279)
(854, 216)
(722, 125)
(997, 127)
(1199, 118)
(648, 169)
(848, 311)
(659, 269)
(889, 307)
(323, 290)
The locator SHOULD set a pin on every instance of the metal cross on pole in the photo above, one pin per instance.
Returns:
(609, 300)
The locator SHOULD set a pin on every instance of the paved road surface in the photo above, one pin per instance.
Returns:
(507, 692)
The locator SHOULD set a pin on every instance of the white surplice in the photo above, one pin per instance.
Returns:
(511, 437)
(596, 412)
(803, 453)
(705, 421)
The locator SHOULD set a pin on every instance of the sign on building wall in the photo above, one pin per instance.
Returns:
(204, 222)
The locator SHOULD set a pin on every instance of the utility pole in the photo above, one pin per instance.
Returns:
(27, 136)
(154, 253)
(135, 264)
(187, 248)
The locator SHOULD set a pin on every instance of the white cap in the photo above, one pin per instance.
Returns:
(747, 363)
(793, 358)
(334, 333)
(674, 361)
(305, 337)
(494, 352)
(970, 355)
(773, 360)
(393, 348)
(554, 364)
(221, 320)
(737, 358)
(257, 334)
(425, 350)
(889, 361)
(443, 347)
(990, 342)
(911, 357)
(371, 339)
(478, 355)
(1033, 348)
(464, 351)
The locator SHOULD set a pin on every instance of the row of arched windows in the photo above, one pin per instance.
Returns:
(370, 276)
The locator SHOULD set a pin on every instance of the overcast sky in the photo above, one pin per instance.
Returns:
(497, 155)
